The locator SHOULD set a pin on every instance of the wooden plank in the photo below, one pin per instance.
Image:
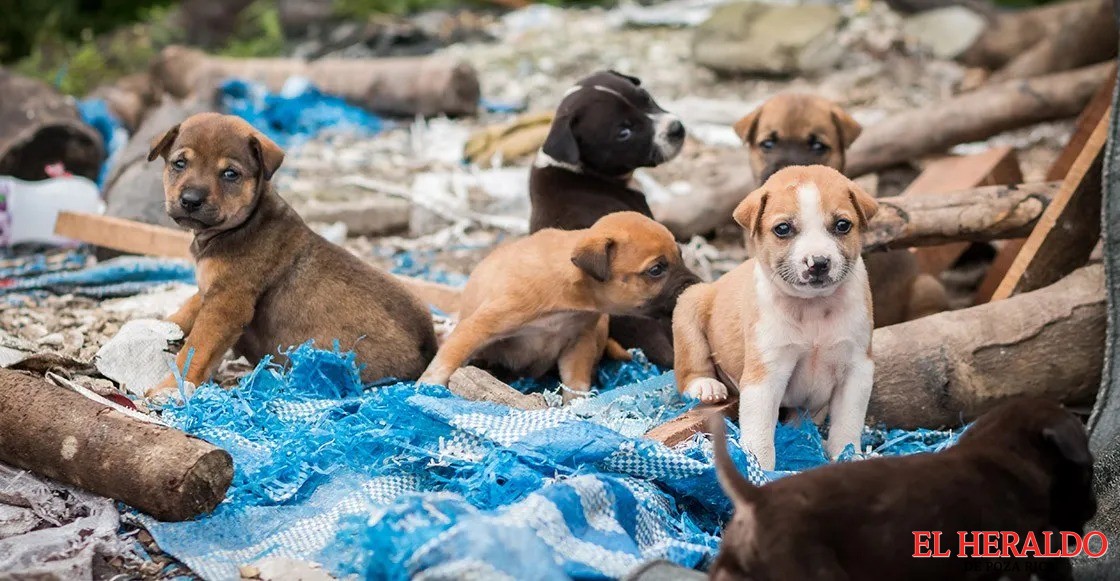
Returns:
(997, 166)
(1068, 230)
(124, 235)
(695, 420)
(1086, 122)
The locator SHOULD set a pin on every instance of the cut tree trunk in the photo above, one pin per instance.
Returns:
(1015, 33)
(57, 433)
(974, 116)
(951, 367)
(40, 126)
(403, 86)
(976, 215)
(1085, 37)
(721, 182)
(946, 369)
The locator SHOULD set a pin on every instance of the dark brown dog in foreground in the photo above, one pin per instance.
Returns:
(796, 129)
(265, 280)
(1022, 468)
(542, 302)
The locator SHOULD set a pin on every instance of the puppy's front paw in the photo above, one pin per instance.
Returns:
(167, 389)
(707, 390)
(434, 377)
(764, 451)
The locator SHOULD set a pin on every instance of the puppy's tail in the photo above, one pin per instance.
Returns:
(737, 488)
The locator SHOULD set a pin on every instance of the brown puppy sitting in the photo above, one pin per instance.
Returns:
(265, 280)
(542, 302)
(1023, 468)
(797, 129)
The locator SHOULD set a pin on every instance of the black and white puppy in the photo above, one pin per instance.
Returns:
(606, 127)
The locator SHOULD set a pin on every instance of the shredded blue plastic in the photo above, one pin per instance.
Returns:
(295, 114)
(390, 482)
(124, 276)
(96, 113)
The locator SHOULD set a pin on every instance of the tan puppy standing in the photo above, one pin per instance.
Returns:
(265, 280)
(542, 302)
(797, 129)
(791, 326)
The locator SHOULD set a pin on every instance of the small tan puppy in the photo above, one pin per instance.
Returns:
(797, 129)
(542, 302)
(791, 326)
(265, 280)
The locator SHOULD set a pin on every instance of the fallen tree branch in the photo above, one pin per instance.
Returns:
(974, 116)
(405, 86)
(949, 368)
(976, 215)
(1085, 37)
(55, 432)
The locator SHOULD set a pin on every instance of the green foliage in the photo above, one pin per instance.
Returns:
(259, 33)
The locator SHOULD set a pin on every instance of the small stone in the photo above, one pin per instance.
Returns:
(52, 340)
(946, 32)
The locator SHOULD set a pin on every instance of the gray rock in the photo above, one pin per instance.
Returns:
(749, 37)
(946, 32)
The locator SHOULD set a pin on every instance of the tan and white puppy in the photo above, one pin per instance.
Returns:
(799, 129)
(791, 326)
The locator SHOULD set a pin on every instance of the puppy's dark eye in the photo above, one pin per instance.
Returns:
(842, 226)
(624, 134)
(767, 144)
(230, 175)
(179, 164)
(783, 230)
(656, 271)
(816, 144)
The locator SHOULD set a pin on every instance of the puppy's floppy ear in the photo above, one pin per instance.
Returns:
(161, 145)
(561, 142)
(745, 128)
(748, 213)
(848, 128)
(593, 256)
(1070, 440)
(865, 205)
(269, 155)
(637, 82)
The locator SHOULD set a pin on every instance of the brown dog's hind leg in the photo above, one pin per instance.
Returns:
(187, 313)
(489, 322)
(577, 362)
(695, 371)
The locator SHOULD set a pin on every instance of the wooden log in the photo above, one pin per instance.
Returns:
(974, 116)
(40, 126)
(59, 434)
(405, 86)
(1068, 230)
(977, 215)
(1086, 123)
(1083, 37)
(997, 166)
(695, 420)
(478, 385)
(946, 369)
(1013, 33)
(124, 235)
(720, 183)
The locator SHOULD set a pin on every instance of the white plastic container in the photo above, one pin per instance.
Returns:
(28, 210)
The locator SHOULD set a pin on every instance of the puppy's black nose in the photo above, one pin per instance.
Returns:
(191, 199)
(676, 130)
(819, 266)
